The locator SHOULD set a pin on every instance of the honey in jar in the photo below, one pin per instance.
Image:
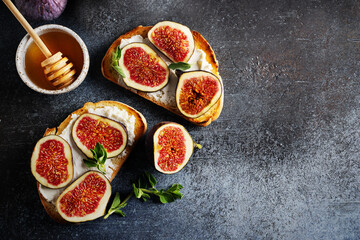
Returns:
(56, 42)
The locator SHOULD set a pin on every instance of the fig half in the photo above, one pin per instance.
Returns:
(51, 162)
(173, 39)
(170, 146)
(197, 92)
(85, 199)
(89, 129)
(144, 70)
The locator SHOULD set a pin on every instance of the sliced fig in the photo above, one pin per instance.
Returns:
(144, 70)
(85, 199)
(170, 146)
(173, 39)
(89, 129)
(197, 92)
(51, 162)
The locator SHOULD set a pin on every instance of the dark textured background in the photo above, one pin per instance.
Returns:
(282, 161)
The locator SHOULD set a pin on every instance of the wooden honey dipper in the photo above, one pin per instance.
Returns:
(57, 69)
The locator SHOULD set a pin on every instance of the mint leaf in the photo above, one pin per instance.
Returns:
(180, 66)
(104, 155)
(143, 182)
(101, 168)
(166, 197)
(117, 54)
(118, 211)
(116, 201)
(90, 163)
(175, 187)
(140, 190)
(144, 196)
(197, 145)
(93, 153)
(177, 195)
(115, 61)
(136, 191)
(99, 158)
(119, 70)
(117, 205)
(151, 179)
(97, 148)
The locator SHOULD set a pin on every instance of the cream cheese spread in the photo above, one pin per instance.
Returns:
(80, 168)
(166, 95)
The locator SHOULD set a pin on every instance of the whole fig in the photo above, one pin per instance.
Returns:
(41, 9)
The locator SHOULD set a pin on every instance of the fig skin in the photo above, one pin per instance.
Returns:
(41, 9)
(186, 75)
(100, 211)
(131, 83)
(87, 152)
(68, 156)
(149, 145)
(181, 27)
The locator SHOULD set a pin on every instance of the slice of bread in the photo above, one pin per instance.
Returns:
(200, 43)
(139, 128)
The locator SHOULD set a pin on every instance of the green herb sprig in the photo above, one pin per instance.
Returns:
(180, 65)
(99, 158)
(144, 186)
(115, 62)
(117, 205)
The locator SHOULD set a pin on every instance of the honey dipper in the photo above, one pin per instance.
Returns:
(57, 69)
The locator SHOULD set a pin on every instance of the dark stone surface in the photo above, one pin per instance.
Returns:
(281, 162)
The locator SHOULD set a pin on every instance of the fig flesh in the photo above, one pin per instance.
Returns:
(173, 39)
(144, 70)
(197, 92)
(170, 146)
(85, 199)
(89, 129)
(51, 162)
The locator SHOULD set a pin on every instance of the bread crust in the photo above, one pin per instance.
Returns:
(140, 129)
(200, 43)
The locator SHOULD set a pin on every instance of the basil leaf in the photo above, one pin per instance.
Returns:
(180, 65)
(90, 163)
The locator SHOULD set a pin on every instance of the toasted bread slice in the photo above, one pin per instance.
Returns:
(200, 43)
(139, 128)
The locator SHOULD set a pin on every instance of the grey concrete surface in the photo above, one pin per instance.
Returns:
(281, 162)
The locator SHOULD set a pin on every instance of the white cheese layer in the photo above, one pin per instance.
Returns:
(166, 95)
(80, 168)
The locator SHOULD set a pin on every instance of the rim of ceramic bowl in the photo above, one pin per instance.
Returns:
(25, 43)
